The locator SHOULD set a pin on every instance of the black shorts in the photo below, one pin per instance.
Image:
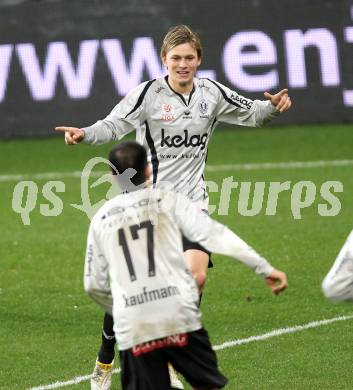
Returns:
(145, 367)
(194, 245)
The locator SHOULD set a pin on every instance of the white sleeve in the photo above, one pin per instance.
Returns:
(197, 226)
(96, 273)
(338, 283)
(125, 117)
(235, 109)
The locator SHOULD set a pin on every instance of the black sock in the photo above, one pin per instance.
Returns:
(106, 353)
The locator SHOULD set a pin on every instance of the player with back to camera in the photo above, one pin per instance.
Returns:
(174, 118)
(135, 270)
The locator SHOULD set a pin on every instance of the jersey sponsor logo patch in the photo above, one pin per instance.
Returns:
(168, 108)
(168, 118)
(241, 100)
(167, 112)
(177, 340)
(178, 140)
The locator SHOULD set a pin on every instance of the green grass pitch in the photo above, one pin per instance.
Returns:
(50, 331)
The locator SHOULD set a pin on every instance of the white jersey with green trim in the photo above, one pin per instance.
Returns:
(176, 132)
(135, 267)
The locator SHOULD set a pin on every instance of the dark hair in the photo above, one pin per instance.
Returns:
(129, 154)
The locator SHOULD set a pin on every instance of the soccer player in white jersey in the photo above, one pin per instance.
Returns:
(338, 283)
(136, 270)
(174, 118)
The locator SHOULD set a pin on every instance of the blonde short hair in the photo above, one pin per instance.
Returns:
(177, 36)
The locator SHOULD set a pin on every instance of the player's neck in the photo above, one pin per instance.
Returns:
(183, 89)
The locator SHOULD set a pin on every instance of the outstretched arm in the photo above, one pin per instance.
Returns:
(197, 226)
(103, 131)
(236, 109)
(125, 117)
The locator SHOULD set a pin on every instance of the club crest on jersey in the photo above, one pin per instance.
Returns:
(203, 106)
(167, 112)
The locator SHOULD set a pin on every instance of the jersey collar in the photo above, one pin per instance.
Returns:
(179, 94)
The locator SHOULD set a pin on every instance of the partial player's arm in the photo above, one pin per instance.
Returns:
(236, 109)
(338, 283)
(126, 116)
(96, 273)
(113, 127)
(215, 237)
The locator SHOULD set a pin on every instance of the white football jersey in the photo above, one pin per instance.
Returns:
(135, 267)
(338, 283)
(176, 132)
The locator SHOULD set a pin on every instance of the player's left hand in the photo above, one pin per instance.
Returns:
(277, 281)
(280, 100)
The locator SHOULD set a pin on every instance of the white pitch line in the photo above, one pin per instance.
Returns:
(74, 381)
(227, 344)
(48, 176)
(279, 165)
(280, 332)
(209, 168)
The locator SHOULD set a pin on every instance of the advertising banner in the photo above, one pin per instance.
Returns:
(71, 62)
